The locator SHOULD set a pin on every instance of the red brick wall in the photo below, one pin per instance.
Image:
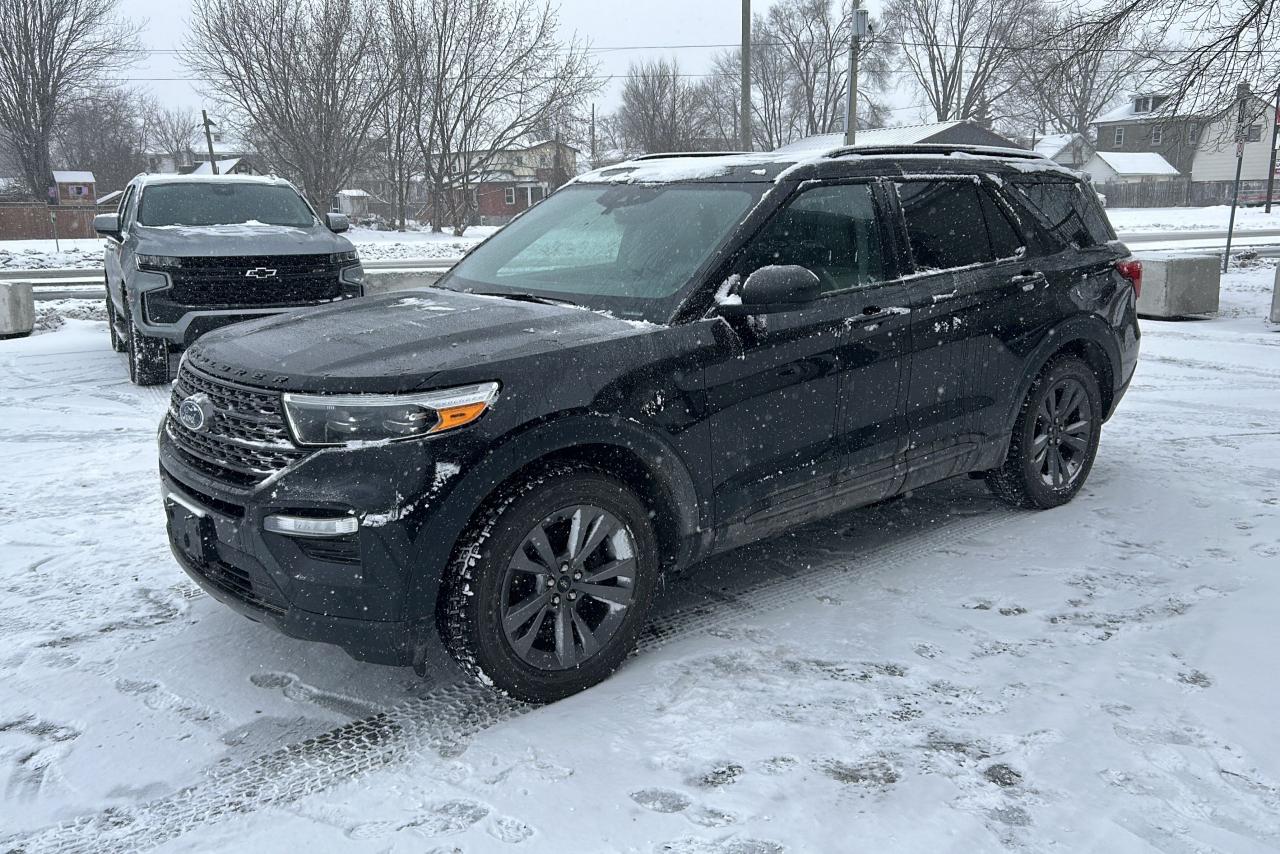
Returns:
(31, 222)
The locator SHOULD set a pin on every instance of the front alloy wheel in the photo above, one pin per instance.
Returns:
(548, 591)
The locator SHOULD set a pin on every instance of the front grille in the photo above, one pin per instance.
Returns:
(236, 582)
(245, 441)
(224, 283)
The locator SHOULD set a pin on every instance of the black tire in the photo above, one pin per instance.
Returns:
(1055, 438)
(498, 574)
(118, 343)
(148, 357)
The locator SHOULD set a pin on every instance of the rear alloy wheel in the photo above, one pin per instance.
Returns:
(1055, 439)
(148, 357)
(550, 594)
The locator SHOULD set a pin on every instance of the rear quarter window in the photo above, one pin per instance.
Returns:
(1067, 210)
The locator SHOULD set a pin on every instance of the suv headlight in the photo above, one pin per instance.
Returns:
(351, 419)
(159, 262)
(344, 257)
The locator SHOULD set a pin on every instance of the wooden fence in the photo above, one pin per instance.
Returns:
(35, 221)
(1183, 192)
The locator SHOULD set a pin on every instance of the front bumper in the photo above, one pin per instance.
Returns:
(371, 593)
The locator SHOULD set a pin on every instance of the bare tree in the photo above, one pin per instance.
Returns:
(486, 74)
(104, 132)
(173, 131)
(773, 113)
(961, 51)
(309, 76)
(52, 52)
(1229, 42)
(662, 110)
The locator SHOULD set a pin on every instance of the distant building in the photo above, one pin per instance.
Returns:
(111, 200)
(1068, 149)
(937, 133)
(1107, 167)
(226, 146)
(1143, 125)
(230, 166)
(71, 187)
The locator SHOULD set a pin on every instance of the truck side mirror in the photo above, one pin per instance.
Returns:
(336, 222)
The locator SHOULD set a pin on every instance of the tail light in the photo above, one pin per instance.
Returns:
(1131, 269)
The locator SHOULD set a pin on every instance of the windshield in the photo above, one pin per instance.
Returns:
(628, 249)
(223, 204)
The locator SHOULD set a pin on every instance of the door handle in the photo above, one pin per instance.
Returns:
(1028, 279)
(937, 298)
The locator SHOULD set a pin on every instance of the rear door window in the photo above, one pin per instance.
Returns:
(945, 224)
(1006, 242)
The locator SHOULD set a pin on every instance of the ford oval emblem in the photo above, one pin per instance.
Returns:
(195, 412)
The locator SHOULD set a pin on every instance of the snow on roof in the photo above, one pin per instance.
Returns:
(355, 194)
(110, 197)
(905, 135)
(72, 177)
(1137, 163)
(224, 166)
(1051, 145)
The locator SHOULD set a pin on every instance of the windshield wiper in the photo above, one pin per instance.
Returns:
(526, 298)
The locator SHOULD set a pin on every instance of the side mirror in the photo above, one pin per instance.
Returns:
(775, 289)
(336, 222)
(108, 225)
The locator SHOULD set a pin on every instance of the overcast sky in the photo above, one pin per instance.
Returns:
(606, 24)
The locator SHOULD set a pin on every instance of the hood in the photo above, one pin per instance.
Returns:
(397, 342)
(224, 241)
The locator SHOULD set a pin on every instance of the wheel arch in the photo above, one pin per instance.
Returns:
(621, 448)
(1090, 339)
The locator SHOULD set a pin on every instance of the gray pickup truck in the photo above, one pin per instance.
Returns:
(187, 254)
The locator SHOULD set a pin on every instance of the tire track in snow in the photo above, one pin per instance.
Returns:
(445, 719)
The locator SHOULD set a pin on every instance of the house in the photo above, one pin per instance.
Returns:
(938, 133)
(72, 187)
(1068, 149)
(230, 166)
(1215, 157)
(519, 177)
(1128, 167)
(1146, 124)
(353, 203)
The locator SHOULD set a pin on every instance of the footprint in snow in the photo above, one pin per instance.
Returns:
(509, 830)
(691, 845)
(661, 800)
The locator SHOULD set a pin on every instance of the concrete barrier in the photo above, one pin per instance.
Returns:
(379, 282)
(17, 310)
(1180, 285)
(1275, 298)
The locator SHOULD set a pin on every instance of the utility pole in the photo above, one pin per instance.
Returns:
(1243, 93)
(857, 31)
(744, 109)
(1275, 141)
(594, 159)
(208, 139)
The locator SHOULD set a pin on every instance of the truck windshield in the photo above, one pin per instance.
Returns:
(628, 249)
(211, 203)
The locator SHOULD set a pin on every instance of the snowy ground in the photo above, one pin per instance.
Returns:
(937, 674)
(1140, 220)
(372, 245)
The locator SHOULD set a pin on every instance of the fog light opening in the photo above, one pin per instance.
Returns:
(302, 526)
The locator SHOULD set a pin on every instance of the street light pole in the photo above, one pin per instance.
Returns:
(744, 108)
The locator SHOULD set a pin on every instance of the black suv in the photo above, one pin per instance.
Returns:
(664, 360)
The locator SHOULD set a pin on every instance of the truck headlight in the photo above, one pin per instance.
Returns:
(352, 275)
(159, 262)
(316, 419)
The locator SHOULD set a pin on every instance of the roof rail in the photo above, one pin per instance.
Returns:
(670, 154)
(941, 149)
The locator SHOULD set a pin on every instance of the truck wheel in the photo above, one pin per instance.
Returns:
(548, 591)
(118, 343)
(1054, 440)
(148, 357)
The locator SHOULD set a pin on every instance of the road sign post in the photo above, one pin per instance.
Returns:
(1244, 94)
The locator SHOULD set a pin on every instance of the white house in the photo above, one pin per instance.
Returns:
(1128, 167)
(1215, 156)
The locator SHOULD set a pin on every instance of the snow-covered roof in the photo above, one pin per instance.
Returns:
(905, 135)
(224, 166)
(1051, 145)
(355, 194)
(1137, 163)
(110, 197)
(72, 177)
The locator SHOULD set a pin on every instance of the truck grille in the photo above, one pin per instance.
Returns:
(245, 441)
(225, 283)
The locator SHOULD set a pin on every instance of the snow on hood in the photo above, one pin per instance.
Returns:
(250, 238)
